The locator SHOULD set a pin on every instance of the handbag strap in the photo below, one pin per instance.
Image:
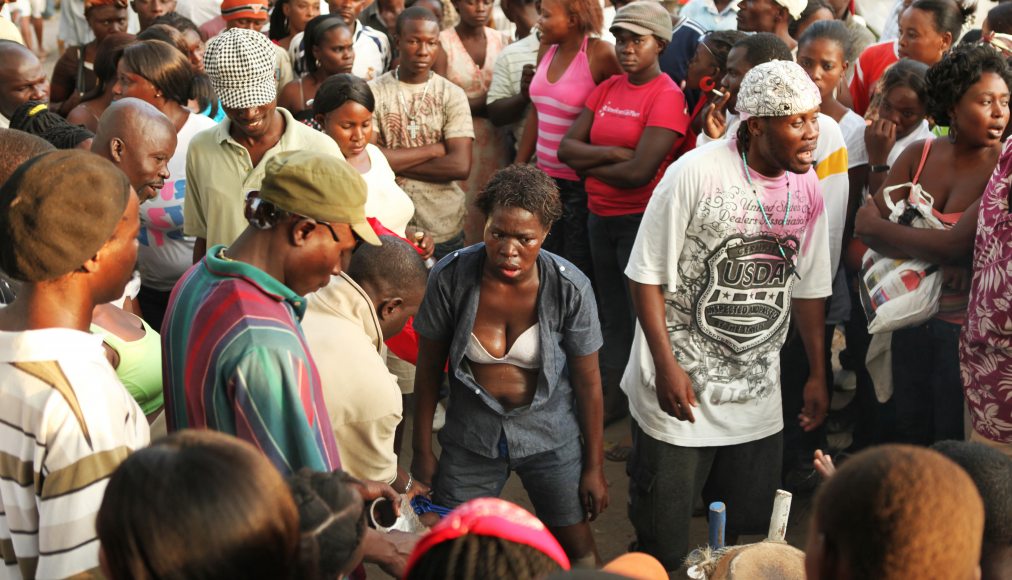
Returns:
(924, 158)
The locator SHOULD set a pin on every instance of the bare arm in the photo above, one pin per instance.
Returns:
(405, 158)
(455, 165)
(935, 246)
(603, 61)
(586, 381)
(576, 151)
(810, 321)
(637, 171)
(432, 355)
(674, 388)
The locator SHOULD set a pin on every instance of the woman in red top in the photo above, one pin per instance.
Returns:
(621, 144)
(928, 29)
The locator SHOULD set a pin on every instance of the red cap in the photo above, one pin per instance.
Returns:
(236, 9)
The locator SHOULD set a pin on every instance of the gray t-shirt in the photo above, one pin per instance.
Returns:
(567, 314)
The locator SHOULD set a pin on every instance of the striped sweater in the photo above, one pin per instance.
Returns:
(235, 360)
(66, 423)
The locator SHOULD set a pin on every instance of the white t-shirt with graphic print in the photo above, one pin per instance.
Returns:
(727, 291)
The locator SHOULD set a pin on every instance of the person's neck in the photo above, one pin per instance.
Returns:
(971, 150)
(784, 35)
(469, 31)
(256, 248)
(63, 303)
(720, 5)
(176, 113)
(646, 75)
(572, 43)
(831, 107)
(410, 78)
(758, 163)
(525, 21)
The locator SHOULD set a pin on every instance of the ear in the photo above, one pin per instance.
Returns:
(301, 230)
(755, 126)
(389, 306)
(946, 41)
(116, 149)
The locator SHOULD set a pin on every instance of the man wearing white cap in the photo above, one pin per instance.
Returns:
(229, 159)
(733, 243)
(771, 16)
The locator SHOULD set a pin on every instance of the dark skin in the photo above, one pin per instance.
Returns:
(776, 145)
(980, 117)
(507, 307)
(22, 78)
(257, 129)
(103, 21)
(139, 140)
(418, 44)
(765, 16)
(715, 114)
(68, 301)
(474, 14)
(523, 14)
(621, 166)
(900, 112)
(559, 26)
(335, 55)
(512, 109)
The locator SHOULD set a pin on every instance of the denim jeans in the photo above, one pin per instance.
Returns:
(927, 388)
(611, 241)
(568, 237)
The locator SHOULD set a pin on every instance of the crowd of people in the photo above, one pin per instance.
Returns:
(239, 241)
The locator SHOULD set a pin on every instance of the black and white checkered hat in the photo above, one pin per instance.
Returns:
(240, 63)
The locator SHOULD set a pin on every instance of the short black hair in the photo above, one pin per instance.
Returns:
(949, 15)
(950, 78)
(415, 13)
(763, 47)
(833, 30)
(332, 520)
(991, 471)
(341, 88)
(315, 29)
(999, 18)
(179, 22)
(525, 187)
(479, 557)
(394, 266)
(908, 73)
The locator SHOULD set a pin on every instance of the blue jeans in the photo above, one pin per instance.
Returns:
(568, 237)
(927, 389)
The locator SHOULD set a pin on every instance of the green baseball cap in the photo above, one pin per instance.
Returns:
(318, 186)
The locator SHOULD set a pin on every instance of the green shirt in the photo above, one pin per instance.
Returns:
(219, 172)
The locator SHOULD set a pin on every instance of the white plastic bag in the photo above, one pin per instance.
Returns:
(895, 293)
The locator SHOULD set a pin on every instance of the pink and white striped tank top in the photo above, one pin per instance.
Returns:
(558, 105)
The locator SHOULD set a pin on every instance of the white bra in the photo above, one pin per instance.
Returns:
(525, 352)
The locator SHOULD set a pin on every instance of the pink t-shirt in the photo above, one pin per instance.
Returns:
(622, 111)
(985, 347)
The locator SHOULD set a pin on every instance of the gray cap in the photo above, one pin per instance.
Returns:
(644, 17)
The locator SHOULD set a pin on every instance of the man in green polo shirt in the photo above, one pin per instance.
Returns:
(226, 161)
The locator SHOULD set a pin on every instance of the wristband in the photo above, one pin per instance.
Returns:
(879, 168)
(411, 481)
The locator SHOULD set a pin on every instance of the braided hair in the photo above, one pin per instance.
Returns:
(331, 519)
(35, 117)
(479, 557)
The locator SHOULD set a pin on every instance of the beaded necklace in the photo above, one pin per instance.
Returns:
(766, 217)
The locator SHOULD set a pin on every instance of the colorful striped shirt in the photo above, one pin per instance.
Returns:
(235, 360)
(558, 105)
(66, 423)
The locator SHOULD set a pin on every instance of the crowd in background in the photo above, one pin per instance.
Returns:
(239, 240)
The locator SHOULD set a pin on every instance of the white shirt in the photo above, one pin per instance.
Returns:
(386, 201)
(199, 11)
(372, 52)
(727, 291)
(706, 14)
(852, 126)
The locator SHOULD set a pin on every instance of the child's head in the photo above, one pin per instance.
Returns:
(710, 59)
(332, 521)
(896, 512)
(991, 472)
(822, 52)
(902, 96)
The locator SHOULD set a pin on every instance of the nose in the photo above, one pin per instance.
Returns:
(163, 171)
(40, 92)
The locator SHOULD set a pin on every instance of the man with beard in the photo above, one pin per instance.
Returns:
(226, 160)
(733, 243)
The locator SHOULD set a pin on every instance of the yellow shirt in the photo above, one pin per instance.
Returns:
(219, 172)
